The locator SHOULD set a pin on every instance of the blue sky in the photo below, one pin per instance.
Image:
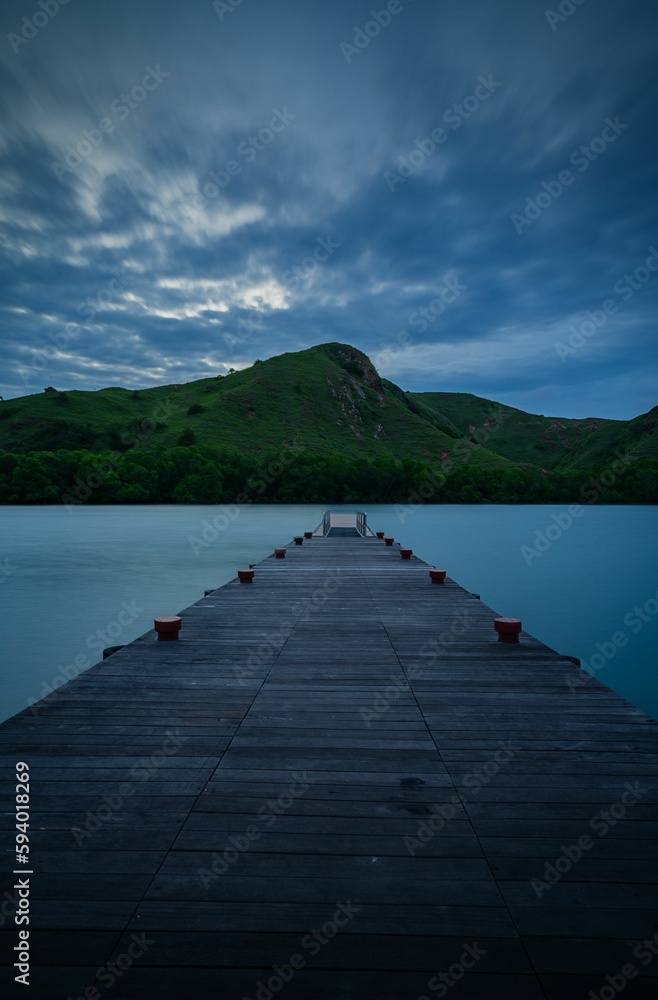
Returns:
(465, 190)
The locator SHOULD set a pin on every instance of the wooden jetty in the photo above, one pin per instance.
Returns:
(337, 785)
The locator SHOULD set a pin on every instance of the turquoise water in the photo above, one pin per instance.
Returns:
(73, 583)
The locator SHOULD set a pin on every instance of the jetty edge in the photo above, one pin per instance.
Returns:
(336, 784)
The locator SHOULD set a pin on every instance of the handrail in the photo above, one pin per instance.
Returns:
(360, 520)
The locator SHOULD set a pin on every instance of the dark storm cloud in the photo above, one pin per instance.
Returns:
(227, 147)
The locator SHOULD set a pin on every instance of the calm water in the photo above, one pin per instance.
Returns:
(72, 584)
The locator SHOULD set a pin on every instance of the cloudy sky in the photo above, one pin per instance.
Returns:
(463, 189)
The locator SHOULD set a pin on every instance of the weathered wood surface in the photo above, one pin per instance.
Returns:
(311, 712)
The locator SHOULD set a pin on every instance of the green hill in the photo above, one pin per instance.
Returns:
(326, 399)
(353, 436)
(555, 443)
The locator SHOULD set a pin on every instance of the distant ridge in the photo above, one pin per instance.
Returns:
(328, 399)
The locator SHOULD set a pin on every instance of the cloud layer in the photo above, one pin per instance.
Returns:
(463, 190)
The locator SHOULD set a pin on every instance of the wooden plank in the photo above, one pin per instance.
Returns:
(173, 982)
(321, 757)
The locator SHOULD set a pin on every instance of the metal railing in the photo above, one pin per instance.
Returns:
(360, 520)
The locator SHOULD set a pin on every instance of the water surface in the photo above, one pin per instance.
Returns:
(73, 583)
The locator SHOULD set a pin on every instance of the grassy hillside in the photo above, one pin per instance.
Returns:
(555, 443)
(328, 400)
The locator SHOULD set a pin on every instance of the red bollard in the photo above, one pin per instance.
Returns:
(308, 534)
(245, 575)
(406, 553)
(167, 628)
(299, 539)
(508, 629)
(438, 575)
(280, 553)
(380, 534)
(389, 541)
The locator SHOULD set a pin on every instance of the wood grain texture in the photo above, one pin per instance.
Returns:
(341, 733)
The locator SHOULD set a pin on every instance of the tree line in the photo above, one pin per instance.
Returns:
(210, 475)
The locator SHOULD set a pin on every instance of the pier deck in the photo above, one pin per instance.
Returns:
(337, 771)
